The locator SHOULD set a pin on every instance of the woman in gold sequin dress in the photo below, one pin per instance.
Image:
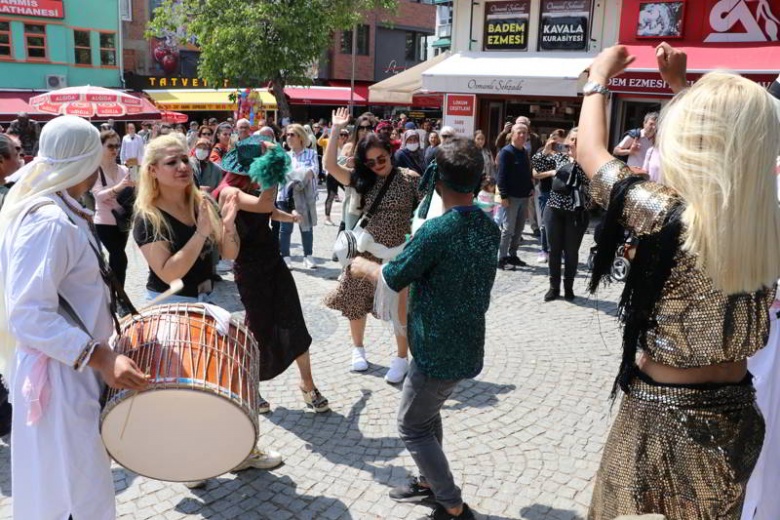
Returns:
(695, 305)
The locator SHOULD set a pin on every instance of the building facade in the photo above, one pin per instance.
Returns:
(520, 57)
(60, 43)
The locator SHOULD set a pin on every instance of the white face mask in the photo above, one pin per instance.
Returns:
(412, 146)
(201, 154)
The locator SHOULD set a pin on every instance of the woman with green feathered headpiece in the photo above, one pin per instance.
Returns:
(254, 170)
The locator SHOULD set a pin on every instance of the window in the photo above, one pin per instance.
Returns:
(35, 38)
(82, 48)
(5, 40)
(416, 46)
(362, 41)
(126, 10)
(108, 49)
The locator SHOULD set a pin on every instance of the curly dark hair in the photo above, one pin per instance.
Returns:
(363, 177)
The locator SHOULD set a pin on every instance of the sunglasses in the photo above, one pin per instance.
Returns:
(291, 135)
(110, 146)
(207, 133)
(365, 127)
(344, 134)
(379, 161)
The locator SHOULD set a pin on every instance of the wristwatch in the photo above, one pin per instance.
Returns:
(591, 87)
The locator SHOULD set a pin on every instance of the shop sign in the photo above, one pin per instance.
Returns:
(137, 82)
(459, 112)
(33, 8)
(650, 83)
(744, 21)
(197, 107)
(506, 25)
(564, 25)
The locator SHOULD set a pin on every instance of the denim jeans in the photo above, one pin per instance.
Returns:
(419, 425)
(285, 234)
(512, 226)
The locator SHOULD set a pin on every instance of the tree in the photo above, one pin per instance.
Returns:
(251, 42)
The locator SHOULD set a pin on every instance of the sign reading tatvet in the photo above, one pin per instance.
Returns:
(459, 113)
(33, 8)
(564, 25)
(506, 25)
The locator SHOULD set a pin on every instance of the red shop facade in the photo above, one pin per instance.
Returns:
(737, 35)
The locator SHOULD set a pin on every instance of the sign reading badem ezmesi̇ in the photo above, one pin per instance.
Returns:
(506, 25)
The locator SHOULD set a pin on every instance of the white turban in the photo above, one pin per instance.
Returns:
(69, 152)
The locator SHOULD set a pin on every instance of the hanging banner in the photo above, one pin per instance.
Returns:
(564, 25)
(459, 112)
(33, 8)
(506, 25)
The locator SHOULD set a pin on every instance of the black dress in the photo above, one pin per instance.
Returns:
(268, 292)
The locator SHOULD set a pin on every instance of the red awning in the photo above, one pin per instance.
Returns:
(760, 63)
(11, 103)
(335, 96)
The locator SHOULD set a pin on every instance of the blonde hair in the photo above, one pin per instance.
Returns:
(718, 144)
(148, 191)
(300, 132)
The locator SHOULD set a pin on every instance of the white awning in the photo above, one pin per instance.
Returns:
(509, 73)
(401, 88)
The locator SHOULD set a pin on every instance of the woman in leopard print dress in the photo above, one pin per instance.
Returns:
(389, 226)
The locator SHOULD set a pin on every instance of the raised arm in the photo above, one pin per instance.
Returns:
(330, 160)
(262, 204)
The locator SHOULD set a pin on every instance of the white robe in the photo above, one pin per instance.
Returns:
(59, 465)
(762, 501)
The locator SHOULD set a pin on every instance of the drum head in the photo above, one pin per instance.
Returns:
(178, 435)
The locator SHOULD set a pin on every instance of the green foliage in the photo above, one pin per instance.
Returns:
(250, 42)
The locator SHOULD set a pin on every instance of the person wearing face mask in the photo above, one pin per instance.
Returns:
(207, 174)
(410, 155)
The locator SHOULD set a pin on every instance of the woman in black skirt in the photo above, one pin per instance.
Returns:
(265, 284)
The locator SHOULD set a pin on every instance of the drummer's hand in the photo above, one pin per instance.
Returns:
(117, 371)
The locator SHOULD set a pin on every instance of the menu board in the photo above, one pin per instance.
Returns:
(506, 25)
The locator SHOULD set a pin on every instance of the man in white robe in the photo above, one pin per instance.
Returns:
(60, 467)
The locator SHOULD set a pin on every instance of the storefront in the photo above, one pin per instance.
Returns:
(520, 58)
(715, 34)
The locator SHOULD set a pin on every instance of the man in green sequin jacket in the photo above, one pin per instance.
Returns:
(449, 266)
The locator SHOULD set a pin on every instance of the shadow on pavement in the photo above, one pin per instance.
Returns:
(339, 440)
(544, 512)
(473, 393)
(259, 495)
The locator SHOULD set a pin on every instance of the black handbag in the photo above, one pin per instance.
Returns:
(561, 183)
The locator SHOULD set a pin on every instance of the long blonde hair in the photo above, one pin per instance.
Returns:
(718, 144)
(148, 191)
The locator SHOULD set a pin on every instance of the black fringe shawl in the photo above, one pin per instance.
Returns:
(650, 269)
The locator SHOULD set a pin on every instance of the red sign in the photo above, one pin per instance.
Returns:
(650, 83)
(460, 105)
(33, 8)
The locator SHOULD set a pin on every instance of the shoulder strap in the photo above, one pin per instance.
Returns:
(102, 176)
(375, 205)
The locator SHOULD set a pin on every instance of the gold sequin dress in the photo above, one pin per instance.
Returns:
(685, 451)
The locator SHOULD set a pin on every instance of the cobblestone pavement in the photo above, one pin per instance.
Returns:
(524, 438)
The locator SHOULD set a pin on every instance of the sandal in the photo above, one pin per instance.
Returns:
(315, 400)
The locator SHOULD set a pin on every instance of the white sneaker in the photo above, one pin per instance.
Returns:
(398, 369)
(224, 266)
(288, 261)
(359, 361)
(260, 459)
(542, 258)
(308, 263)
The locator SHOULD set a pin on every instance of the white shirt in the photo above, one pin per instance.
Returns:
(637, 158)
(132, 148)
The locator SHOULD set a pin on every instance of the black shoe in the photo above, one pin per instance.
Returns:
(568, 291)
(440, 513)
(553, 294)
(216, 278)
(412, 491)
(536, 233)
(502, 264)
(514, 260)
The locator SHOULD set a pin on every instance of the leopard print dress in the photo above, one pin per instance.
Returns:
(354, 297)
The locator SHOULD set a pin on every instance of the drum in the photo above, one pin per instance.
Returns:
(198, 418)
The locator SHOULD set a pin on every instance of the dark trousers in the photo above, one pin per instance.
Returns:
(419, 425)
(115, 242)
(565, 230)
(333, 191)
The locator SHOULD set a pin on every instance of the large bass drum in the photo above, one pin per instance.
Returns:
(198, 418)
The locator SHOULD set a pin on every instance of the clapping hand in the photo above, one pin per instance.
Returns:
(203, 225)
(230, 210)
(340, 117)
